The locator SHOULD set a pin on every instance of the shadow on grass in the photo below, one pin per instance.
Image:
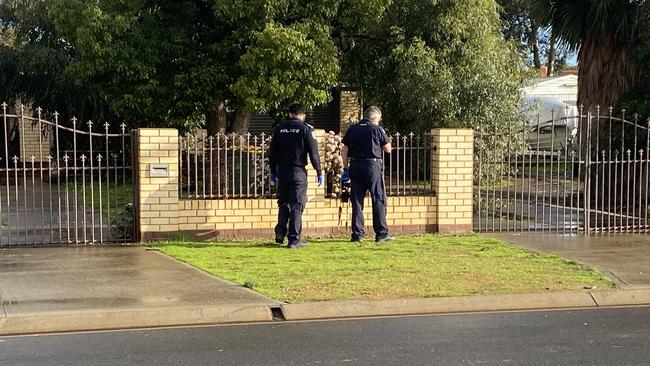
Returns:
(270, 245)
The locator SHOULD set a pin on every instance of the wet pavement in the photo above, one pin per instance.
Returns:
(38, 213)
(625, 256)
(50, 280)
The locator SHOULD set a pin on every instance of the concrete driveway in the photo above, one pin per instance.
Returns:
(114, 287)
(33, 215)
(625, 256)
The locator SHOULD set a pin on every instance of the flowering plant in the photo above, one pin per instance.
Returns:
(333, 163)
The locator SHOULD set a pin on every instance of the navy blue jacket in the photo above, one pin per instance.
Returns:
(291, 142)
(365, 140)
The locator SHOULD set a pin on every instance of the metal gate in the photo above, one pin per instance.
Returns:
(584, 173)
(64, 183)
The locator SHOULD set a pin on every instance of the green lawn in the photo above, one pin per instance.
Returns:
(412, 266)
(121, 193)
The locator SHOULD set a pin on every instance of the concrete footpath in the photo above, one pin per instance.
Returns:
(89, 288)
(93, 288)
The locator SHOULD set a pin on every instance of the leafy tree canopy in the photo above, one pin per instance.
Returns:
(440, 64)
(183, 62)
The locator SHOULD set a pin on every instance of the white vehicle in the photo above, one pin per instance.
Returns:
(553, 124)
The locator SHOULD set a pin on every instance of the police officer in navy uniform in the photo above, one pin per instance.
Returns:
(292, 141)
(363, 145)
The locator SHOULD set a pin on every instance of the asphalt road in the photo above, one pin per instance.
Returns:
(579, 337)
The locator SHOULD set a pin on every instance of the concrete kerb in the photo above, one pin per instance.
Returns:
(622, 297)
(103, 319)
(464, 304)
(363, 308)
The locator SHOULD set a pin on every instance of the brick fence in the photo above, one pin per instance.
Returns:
(161, 213)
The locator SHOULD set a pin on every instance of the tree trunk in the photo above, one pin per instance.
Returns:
(241, 121)
(605, 74)
(215, 119)
(216, 124)
(551, 55)
(534, 45)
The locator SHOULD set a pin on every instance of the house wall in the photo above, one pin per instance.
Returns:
(33, 142)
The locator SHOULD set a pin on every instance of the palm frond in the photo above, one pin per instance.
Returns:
(573, 20)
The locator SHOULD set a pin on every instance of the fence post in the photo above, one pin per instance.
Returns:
(452, 167)
(158, 182)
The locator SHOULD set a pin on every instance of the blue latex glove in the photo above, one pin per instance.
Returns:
(345, 177)
(273, 178)
(321, 179)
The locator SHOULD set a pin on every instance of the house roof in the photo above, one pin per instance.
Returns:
(557, 81)
(563, 87)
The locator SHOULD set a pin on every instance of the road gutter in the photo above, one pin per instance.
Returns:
(111, 319)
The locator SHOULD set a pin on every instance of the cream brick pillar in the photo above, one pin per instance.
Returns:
(350, 109)
(157, 182)
(452, 175)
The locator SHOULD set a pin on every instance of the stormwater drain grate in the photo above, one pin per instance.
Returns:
(277, 314)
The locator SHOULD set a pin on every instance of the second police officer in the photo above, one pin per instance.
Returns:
(292, 141)
(363, 146)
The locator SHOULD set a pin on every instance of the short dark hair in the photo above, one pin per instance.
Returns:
(296, 109)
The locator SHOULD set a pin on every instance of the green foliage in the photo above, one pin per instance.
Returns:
(122, 222)
(288, 63)
(33, 65)
(516, 22)
(440, 64)
(170, 62)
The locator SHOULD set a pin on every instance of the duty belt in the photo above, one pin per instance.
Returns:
(368, 159)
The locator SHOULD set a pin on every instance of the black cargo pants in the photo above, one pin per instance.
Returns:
(367, 175)
(292, 198)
